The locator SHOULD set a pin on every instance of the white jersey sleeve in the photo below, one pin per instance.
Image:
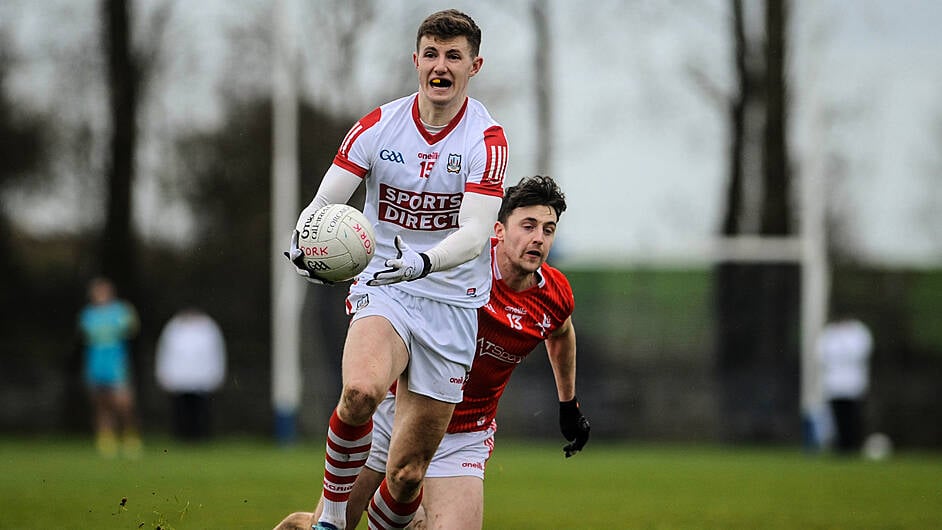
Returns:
(474, 226)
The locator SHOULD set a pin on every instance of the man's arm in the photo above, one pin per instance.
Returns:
(336, 187)
(561, 349)
(475, 221)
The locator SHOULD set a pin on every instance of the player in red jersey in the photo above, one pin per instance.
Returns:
(531, 302)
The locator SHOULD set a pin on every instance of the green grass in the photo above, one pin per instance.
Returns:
(252, 484)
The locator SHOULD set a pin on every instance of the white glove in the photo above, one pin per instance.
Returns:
(408, 265)
(296, 256)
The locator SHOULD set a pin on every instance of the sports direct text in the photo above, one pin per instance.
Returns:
(419, 211)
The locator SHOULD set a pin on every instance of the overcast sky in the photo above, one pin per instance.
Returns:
(639, 146)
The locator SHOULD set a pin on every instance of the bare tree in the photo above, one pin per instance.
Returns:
(776, 218)
(126, 71)
(737, 122)
(539, 12)
(757, 304)
(118, 246)
(332, 42)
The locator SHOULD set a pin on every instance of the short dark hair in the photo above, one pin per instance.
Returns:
(450, 24)
(538, 190)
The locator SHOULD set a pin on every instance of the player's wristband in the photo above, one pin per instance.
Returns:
(569, 407)
(426, 265)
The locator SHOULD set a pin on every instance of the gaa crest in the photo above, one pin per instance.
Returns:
(454, 163)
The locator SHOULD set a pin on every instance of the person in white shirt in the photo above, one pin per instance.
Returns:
(844, 349)
(191, 366)
(433, 165)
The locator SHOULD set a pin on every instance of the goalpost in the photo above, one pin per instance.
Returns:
(286, 293)
(809, 251)
(815, 283)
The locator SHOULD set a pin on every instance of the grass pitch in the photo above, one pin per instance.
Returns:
(233, 484)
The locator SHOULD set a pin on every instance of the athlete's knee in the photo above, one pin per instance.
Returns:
(405, 480)
(357, 403)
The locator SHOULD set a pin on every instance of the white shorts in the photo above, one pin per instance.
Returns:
(440, 337)
(461, 454)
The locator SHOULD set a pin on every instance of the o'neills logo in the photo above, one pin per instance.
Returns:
(419, 211)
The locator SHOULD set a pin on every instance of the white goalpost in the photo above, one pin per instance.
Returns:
(286, 293)
(815, 277)
(809, 251)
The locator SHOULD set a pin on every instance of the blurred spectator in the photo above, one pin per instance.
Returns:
(844, 349)
(106, 325)
(191, 366)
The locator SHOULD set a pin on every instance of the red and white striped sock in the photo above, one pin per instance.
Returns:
(386, 513)
(348, 447)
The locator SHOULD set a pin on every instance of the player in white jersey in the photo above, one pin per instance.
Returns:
(433, 164)
(531, 302)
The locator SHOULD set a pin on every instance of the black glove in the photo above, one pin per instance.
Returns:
(573, 425)
(296, 257)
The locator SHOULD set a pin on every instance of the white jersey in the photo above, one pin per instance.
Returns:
(191, 354)
(844, 349)
(415, 182)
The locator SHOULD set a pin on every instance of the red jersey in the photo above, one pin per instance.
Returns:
(510, 326)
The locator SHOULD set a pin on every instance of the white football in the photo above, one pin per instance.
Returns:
(337, 242)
